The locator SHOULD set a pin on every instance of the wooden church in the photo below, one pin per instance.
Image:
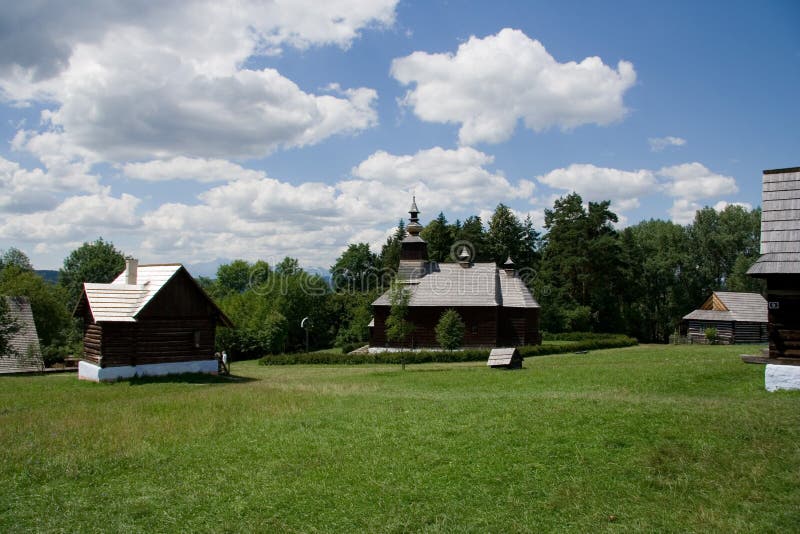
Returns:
(151, 320)
(779, 266)
(496, 306)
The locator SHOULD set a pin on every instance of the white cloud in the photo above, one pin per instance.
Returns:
(657, 144)
(602, 183)
(25, 191)
(722, 204)
(693, 181)
(183, 168)
(74, 218)
(489, 84)
(683, 210)
(451, 178)
(160, 80)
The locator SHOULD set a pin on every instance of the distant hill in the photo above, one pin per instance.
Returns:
(48, 274)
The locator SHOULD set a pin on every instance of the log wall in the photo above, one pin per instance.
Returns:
(485, 326)
(784, 321)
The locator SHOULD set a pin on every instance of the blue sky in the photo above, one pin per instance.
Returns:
(198, 131)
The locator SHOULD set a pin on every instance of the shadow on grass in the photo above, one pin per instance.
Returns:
(189, 378)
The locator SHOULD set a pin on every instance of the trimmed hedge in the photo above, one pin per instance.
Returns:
(427, 356)
(577, 336)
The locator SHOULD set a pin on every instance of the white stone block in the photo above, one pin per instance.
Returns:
(786, 377)
(90, 371)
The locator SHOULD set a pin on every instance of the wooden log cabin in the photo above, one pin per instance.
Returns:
(779, 266)
(151, 320)
(737, 318)
(496, 306)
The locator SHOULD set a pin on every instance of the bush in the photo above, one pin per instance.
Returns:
(711, 336)
(428, 356)
(450, 330)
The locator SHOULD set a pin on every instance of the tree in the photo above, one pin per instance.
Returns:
(98, 262)
(439, 236)
(505, 235)
(582, 267)
(288, 266)
(14, 257)
(471, 231)
(233, 277)
(8, 327)
(51, 316)
(389, 257)
(450, 330)
(357, 269)
(738, 280)
(398, 328)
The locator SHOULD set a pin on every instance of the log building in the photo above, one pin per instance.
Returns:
(779, 266)
(495, 304)
(737, 318)
(151, 320)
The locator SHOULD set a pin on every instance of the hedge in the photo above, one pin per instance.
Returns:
(427, 356)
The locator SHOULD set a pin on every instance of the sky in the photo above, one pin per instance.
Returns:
(200, 132)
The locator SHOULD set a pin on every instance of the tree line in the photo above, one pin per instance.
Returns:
(585, 273)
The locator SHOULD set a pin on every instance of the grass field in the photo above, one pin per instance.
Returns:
(648, 438)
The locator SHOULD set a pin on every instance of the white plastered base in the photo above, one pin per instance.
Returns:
(786, 377)
(95, 373)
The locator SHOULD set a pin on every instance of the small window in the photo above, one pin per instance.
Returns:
(197, 339)
(474, 329)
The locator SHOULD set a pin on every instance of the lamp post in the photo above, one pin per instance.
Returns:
(305, 324)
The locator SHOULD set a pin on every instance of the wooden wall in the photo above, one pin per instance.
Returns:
(784, 322)
(519, 326)
(697, 330)
(485, 326)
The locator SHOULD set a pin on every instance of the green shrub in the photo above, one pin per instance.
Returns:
(450, 330)
(428, 356)
(711, 335)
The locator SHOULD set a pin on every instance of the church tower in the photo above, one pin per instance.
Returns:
(413, 249)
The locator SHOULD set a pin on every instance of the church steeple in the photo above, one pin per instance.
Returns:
(413, 247)
(414, 227)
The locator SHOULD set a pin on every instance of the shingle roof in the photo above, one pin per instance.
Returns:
(479, 284)
(709, 315)
(742, 307)
(120, 302)
(26, 355)
(780, 223)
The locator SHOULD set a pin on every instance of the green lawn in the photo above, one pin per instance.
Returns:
(649, 438)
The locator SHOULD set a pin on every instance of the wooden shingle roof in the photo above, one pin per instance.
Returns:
(25, 353)
(122, 302)
(780, 223)
(732, 306)
(453, 285)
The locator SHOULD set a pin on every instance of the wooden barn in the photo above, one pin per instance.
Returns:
(495, 304)
(25, 355)
(779, 266)
(737, 317)
(151, 320)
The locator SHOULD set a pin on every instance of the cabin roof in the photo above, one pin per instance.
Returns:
(731, 306)
(24, 343)
(119, 301)
(780, 223)
(454, 285)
